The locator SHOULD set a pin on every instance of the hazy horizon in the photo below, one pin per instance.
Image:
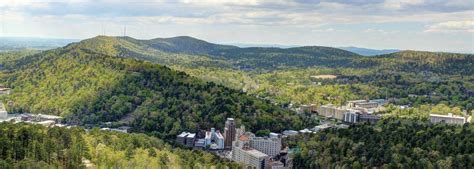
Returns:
(379, 24)
(242, 45)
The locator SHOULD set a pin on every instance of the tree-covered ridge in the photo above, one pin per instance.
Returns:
(53, 81)
(389, 144)
(268, 58)
(185, 44)
(88, 85)
(8, 59)
(286, 74)
(34, 146)
(437, 62)
(186, 48)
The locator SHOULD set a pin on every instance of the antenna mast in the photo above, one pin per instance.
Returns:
(124, 30)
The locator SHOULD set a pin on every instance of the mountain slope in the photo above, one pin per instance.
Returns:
(252, 58)
(89, 83)
(299, 57)
(185, 44)
(438, 62)
(283, 74)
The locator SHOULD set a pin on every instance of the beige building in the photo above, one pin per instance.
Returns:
(307, 108)
(449, 119)
(332, 111)
(248, 157)
(267, 145)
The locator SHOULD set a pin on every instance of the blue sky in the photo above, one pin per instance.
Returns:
(433, 25)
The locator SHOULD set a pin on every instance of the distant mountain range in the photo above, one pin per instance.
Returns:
(358, 50)
(19, 43)
(369, 52)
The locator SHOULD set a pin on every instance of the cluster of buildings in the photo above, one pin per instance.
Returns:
(45, 120)
(355, 111)
(364, 111)
(244, 147)
(212, 140)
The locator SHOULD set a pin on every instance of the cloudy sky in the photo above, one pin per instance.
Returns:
(434, 25)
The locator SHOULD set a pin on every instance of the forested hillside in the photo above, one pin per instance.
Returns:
(285, 75)
(389, 144)
(92, 81)
(34, 146)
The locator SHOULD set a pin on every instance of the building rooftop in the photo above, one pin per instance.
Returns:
(46, 123)
(450, 115)
(217, 132)
(219, 135)
(50, 116)
(255, 153)
(191, 135)
(356, 101)
(244, 138)
(183, 134)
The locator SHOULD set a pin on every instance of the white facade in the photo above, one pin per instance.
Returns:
(249, 157)
(351, 117)
(449, 119)
(214, 139)
(4, 91)
(3, 112)
(269, 146)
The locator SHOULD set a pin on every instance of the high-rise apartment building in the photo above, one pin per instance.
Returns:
(229, 133)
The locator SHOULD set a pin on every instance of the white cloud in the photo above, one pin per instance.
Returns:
(22, 3)
(258, 20)
(233, 2)
(324, 30)
(399, 4)
(452, 26)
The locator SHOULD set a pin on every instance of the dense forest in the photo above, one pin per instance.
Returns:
(34, 146)
(88, 84)
(285, 75)
(389, 144)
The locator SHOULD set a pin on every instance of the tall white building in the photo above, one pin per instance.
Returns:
(267, 145)
(214, 139)
(248, 157)
(450, 119)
